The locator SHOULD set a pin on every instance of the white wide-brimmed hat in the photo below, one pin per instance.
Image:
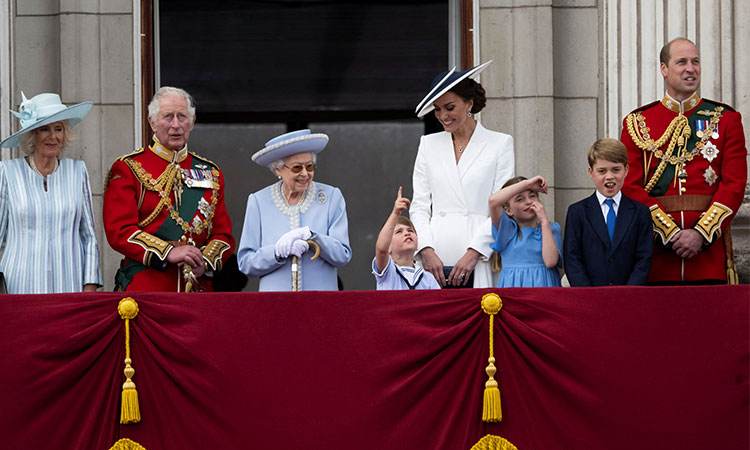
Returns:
(41, 110)
(443, 83)
(288, 144)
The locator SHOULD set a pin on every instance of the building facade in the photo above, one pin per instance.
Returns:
(565, 74)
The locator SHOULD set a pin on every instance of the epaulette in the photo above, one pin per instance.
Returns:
(195, 155)
(128, 155)
(724, 105)
(120, 158)
(646, 106)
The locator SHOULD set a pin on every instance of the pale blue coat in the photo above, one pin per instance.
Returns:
(268, 216)
(49, 239)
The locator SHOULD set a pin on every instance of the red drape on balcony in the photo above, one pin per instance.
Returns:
(597, 368)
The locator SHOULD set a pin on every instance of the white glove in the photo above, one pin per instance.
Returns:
(299, 247)
(284, 245)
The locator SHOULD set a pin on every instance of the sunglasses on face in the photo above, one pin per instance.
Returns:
(297, 168)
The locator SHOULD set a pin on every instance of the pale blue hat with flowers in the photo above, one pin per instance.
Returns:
(41, 110)
(288, 144)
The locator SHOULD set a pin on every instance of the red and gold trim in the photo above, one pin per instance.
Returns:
(212, 253)
(664, 226)
(152, 245)
(681, 106)
(709, 224)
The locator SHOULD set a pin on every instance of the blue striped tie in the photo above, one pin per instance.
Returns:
(610, 217)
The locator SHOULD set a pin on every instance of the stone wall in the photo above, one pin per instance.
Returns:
(565, 73)
(82, 49)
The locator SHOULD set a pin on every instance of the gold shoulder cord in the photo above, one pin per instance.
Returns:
(163, 186)
(678, 132)
(163, 183)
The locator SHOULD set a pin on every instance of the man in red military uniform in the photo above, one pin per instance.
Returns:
(687, 164)
(164, 206)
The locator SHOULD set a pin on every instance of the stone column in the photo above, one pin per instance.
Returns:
(518, 36)
(634, 33)
(577, 88)
(83, 50)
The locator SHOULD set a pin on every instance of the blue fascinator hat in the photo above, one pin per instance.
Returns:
(41, 110)
(443, 83)
(288, 144)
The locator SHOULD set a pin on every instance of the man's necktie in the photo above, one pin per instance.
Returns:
(610, 217)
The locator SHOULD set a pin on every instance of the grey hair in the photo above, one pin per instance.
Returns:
(279, 163)
(165, 91)
(27, 139)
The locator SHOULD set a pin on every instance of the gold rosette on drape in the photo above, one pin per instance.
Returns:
(127, 444)
(491, 442)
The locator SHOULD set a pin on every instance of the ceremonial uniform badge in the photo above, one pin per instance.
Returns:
(710, 176)
(709, 151)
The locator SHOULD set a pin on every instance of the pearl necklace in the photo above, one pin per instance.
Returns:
(34, 168)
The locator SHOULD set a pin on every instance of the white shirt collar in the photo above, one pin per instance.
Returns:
(616, 198)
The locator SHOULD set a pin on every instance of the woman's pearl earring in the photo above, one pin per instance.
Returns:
(468, 114)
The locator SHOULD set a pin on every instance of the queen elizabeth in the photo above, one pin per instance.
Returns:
(283, 219)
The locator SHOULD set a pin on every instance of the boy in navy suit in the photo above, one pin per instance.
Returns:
(608, 236)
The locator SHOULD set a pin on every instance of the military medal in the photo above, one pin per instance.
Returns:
(200, 178)
(700, 127)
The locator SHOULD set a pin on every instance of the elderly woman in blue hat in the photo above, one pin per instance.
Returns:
(455, 173)
(285, 218)
(46, 217)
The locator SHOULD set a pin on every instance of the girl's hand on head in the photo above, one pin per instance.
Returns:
(401, 203)
(538, 184)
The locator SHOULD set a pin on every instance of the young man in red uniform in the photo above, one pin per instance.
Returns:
(164, 206)
(687, 164)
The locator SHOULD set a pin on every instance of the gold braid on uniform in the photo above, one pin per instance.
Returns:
(163, 186)
(678, 132)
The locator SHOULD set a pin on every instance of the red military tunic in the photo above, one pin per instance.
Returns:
(156, 198)
(687, 164)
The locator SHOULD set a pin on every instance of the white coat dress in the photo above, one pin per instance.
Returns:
(450, 203)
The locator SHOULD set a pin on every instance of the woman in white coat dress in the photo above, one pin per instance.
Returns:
(455, 173)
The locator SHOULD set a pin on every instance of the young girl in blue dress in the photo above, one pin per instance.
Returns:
(529, 244)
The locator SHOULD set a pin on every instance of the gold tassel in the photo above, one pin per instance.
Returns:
(491, 410)
(732, 277)
(130, 411)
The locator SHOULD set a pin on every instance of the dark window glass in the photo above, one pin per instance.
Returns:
(251, 59)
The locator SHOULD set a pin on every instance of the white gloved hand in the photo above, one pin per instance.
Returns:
(299, 247)
(284, 245)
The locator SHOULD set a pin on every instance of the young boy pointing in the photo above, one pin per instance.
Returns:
(393, 265)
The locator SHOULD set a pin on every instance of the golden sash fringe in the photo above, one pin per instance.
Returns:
(491, 410)
(127, 444)
(130, 411)
(490, 442)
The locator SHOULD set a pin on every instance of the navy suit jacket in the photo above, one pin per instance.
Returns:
(589, 256)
